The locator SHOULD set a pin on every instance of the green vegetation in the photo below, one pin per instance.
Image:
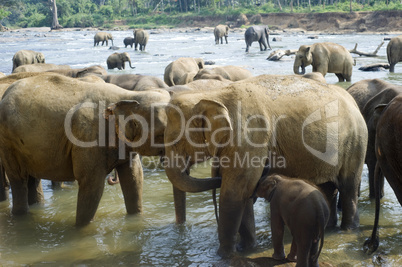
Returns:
(168, 13)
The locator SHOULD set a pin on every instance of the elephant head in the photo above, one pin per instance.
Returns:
(266, 187)
(110, 37)
(303, 58)
(39, 58)
(125, 57)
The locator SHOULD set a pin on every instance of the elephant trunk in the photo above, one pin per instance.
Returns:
(112, 42)
(268, 42)
(129, 63)
(296, 69)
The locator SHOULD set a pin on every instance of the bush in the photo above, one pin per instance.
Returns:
(79, 20)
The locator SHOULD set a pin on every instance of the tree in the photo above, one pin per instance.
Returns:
(55, 21)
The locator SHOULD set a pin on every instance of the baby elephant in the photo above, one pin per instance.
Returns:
(304, 209)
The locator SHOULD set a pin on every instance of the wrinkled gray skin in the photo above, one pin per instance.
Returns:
(368, 94)
(221, 31)
(40, 67)
(117, 60)
(78, 73)
(85, 151)
(394, 52)
(182, 70)
(231, 73)
(24, 57)
(135, 82)
(304, 209)
(102, 37)
(258, 34)
(325, 58)
(128, 41)
(140, 38)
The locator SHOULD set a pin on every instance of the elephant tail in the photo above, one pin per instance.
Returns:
(215, 204)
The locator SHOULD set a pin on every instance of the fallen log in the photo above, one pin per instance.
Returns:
(374, 54)
(375, 67)
(278, 54)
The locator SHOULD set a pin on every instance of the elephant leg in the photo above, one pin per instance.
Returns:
(277, 231)
(340, 77)
(19, 189)
(135, 46)
(392, 67)
(247, 228)
(371, 161)
(313, 251)
(35, 191)
(349, 198)
(292, 256)
(131, 183)
(330, 191)
(179, 205)
(4, 184)
(226, 39)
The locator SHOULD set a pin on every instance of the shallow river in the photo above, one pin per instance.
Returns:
(47, 236)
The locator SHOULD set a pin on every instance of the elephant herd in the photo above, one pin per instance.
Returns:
(293, 140)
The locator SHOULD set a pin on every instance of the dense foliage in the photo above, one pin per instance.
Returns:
(150, 13)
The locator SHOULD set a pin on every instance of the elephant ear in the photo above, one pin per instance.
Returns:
(308, 54)
(213, 117)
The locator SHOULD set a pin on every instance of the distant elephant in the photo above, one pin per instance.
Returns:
(221, 31)
(231, 73)
(128, 41)
(368, 94)
(182, 70)
(135, 82)
(265, 118)
(394, 52)
(140, 38)
(78, 73)
(325, 57)
(388, 148)
(40, 67)
(24, 57)
(304, 209)
(258, 34)
(102, 37)
(117, 60)
(88, 129)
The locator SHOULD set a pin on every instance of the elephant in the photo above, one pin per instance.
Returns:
(40, 67)
(317, 76)
(199, 85)
(141, 38)
(182, 70)
(117, 60)
(388, 150)
(368, 94)
(394, 52)
(257, 33)
(102, 37)
(128, 41)
(78, 73)
(89, 129)
(24, 57)
(4, 184)
(303, 208)
(325, 57)
(231, 73)
(264, 118)
(135, 82)
(221, 31)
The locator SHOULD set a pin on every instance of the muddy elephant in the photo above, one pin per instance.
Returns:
(40, 67)
(265, 118)
(95, 128)
(388, 148)
(78, 73)
(221, 31)
(117, 60)
(325, 57)
(231, 73)
(103, 37)
(182, 70)
(304, 209)
(258, 34)
(128, 41)
(25, 57)
(141, 38)
(368, 94)
(394, 52)
(135, 82)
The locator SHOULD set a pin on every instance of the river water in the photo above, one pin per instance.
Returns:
(47, 236)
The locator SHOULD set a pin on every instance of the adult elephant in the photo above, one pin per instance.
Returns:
(258, 34)
(24, 57)
(325, 57)
(388, 149)
(221, 31)
(40, 67)
(368, 94)
(182, 70)
(135, 82)
(231, 73)
(394, 52)
(128, 41)
(117, 60)
(78, 73)
(265, 119)
(79, 134)
(141, 38)
(102, 37)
